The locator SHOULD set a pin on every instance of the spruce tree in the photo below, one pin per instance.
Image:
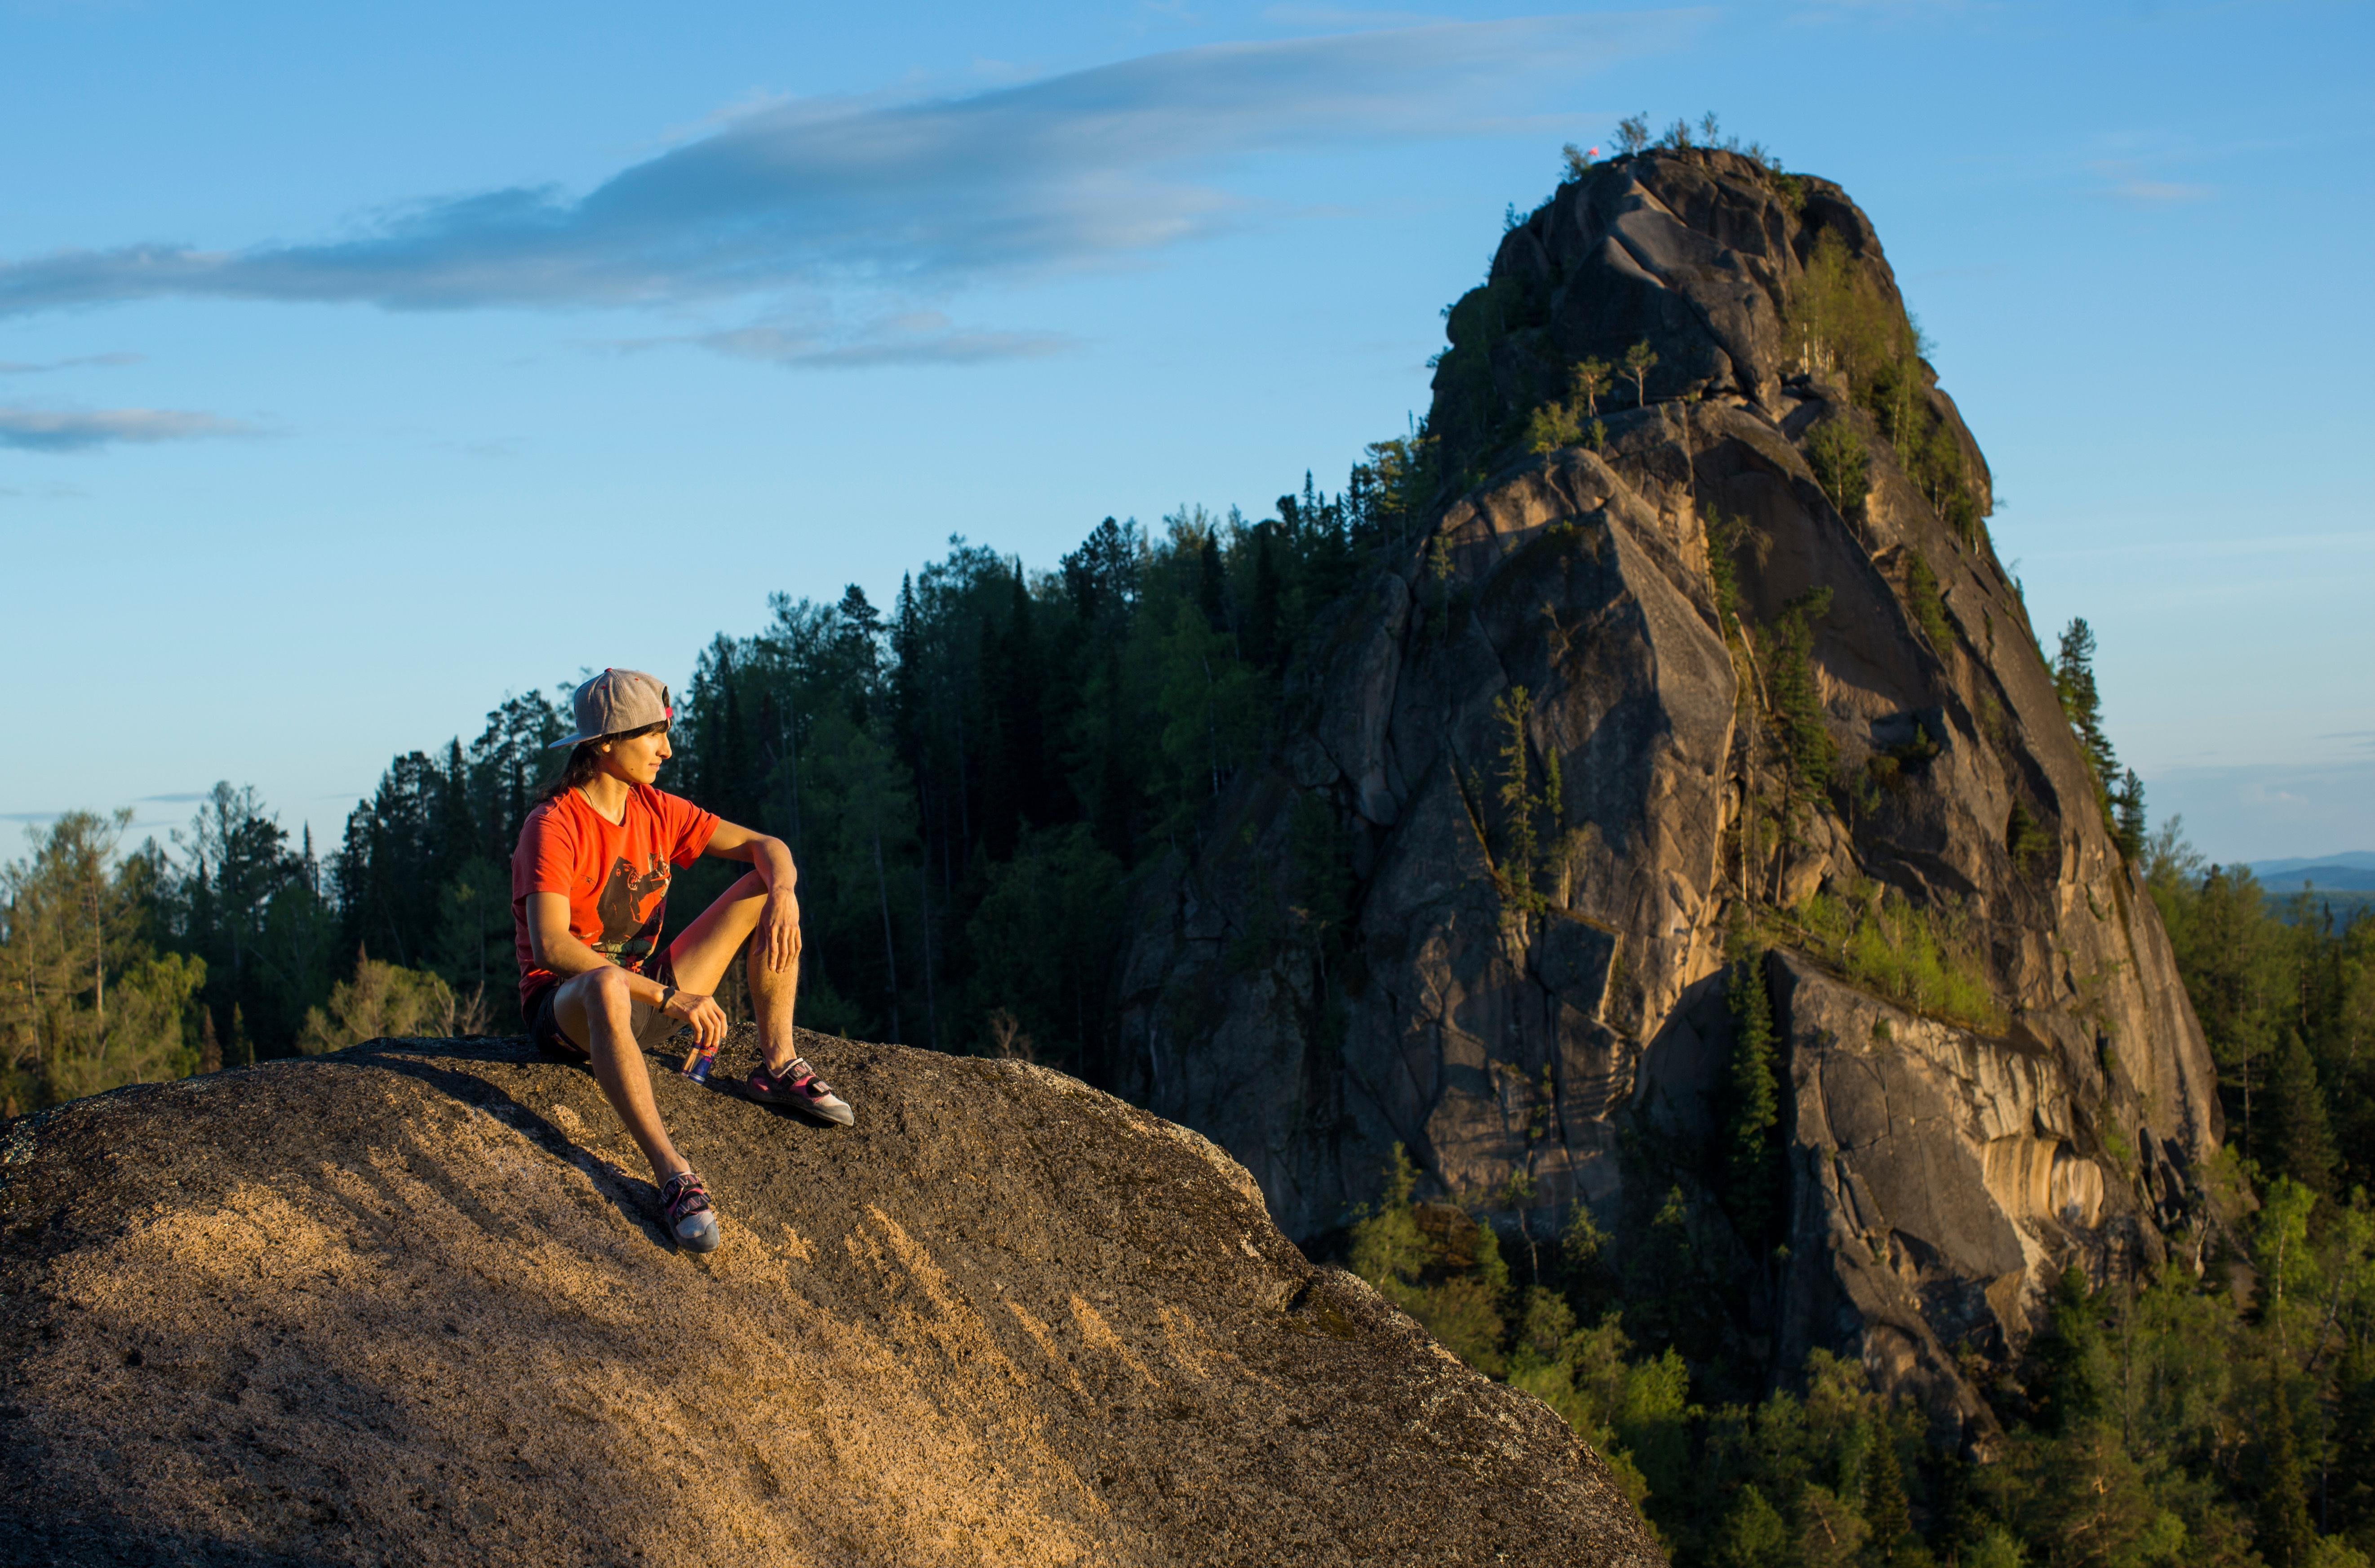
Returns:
(1752, 1105)
(2286, 1536)
(2134, 828)
(1885, 1508)
(2074, 682)
(2300, 1137)
(1797, 695)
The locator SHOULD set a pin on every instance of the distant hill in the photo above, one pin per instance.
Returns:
(2353, 871)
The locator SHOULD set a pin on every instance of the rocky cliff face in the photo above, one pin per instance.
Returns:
(405, 1305)
(1406, 930)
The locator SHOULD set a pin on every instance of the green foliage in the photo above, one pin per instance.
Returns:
(1636, 1412)
(2025, 838)
(1929, 605)
(1797, 695)
(1639, 362)
(2287, 1002)
(1044, 938)
(2082, 701)
(1520, 804)
(1852, 336)
(1920, 956)
(966, 784)
(2120, 798)
(2159, 1422)
(85, 1002)
(2131, 827)
(1552, 426)
(383, 1001)
(1723, 536)
(1755, 1181)
(1842, 464)
(1577, 417)
(1438, 1264)
(2301, 1136)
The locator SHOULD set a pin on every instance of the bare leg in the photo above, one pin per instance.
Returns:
(595, 1010)
(699, 956)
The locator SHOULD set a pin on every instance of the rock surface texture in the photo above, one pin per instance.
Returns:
(405, 1304)
(1363, 949)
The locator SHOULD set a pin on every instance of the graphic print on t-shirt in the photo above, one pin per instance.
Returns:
(630, 908)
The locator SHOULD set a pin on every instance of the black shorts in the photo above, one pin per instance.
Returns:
(545, 1030)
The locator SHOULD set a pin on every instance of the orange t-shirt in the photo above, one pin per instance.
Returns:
(615, 874)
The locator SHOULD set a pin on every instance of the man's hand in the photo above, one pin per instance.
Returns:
(708, 1019)
(778, 936)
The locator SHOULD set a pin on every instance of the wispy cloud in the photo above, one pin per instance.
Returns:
(1084, 169)
(908, 337)
(1307, 15)
(55, 430)
(2125, 183)
(34, 368)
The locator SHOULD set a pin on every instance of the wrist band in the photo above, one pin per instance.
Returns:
(667, 994)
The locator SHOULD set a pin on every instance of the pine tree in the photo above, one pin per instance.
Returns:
(2287, 1537)
(2073, 681)
(1752, 1105)
(2134, 828)
(1639, 362)
(1885, 1508)
(2300, 1137)
(1797, 695)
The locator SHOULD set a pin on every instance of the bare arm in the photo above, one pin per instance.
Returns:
(778, 936)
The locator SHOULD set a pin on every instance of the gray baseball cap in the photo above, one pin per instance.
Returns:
(616, 701)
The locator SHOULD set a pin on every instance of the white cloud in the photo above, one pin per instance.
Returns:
(1084, 169)
(55, 430)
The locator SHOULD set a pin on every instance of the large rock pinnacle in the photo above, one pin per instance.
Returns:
(1739, 608)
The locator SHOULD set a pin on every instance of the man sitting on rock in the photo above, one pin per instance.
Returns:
(589, 883)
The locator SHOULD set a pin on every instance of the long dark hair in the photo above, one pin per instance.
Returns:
(586, 761)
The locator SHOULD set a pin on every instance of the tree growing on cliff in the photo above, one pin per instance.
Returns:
(1798, 698)
(1752, 1178)
(1520, 803)
(1640, 360)
(1842, 464)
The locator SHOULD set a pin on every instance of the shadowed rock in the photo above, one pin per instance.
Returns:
(1357, 951)
(410, 1303)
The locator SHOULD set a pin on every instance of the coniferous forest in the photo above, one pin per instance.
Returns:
(973, 777)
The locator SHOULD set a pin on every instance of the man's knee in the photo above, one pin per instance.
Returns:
(605, 987)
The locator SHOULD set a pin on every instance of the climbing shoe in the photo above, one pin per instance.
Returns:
(684, 1198)
(798, 1087)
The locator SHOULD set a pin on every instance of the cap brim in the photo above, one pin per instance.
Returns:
(572, 740)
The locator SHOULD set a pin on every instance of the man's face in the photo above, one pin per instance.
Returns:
(637, 759)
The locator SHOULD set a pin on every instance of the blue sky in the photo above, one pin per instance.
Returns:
(361, 364)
